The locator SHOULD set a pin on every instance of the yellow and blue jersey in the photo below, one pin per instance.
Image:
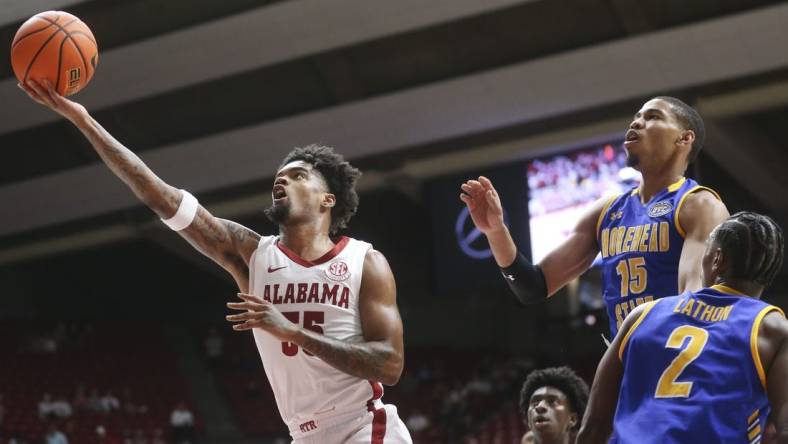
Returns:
(692, 372)
(640, 246)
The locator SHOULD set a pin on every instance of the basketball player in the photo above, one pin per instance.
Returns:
(651, 238)
(322, 309)
(552, 402)
(704, 366)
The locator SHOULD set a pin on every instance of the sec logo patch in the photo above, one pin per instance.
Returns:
(338, 271)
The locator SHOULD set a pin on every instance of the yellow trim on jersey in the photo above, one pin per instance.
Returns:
(647, 308)
(676, 185)
(754, 432)
(604, 212)
(756, 356)
(692, 190)
(728, 290)
(753, 417)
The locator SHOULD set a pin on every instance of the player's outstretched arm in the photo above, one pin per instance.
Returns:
(699, 215)
(531, 283)
(773, 351)
(598, 419)
(227, 243)
(379, 358)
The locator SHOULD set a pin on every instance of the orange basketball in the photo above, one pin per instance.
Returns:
(56, 46)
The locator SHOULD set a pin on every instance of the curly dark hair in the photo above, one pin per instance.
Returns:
(339, 175)
(562, 378)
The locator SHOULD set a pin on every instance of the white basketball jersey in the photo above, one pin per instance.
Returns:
(321, 296)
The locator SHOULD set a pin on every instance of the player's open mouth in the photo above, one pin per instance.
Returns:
(540, 420)
(631, 137)
(279, 193)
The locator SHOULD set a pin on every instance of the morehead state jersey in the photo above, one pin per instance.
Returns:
(640, 246)
(692, 372)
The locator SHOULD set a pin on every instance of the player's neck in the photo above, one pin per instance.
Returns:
(654, 183)
(308, 240)
(749, 288)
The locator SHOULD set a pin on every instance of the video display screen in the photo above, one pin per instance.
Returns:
(561, 186)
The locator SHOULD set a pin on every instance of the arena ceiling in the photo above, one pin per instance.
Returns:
(213, 94)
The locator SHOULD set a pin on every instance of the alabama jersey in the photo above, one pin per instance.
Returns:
(322, 296)
(692, 372)
(640, 246)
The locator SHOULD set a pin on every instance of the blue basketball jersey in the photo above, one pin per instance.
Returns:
(640, 245)
(692, 372)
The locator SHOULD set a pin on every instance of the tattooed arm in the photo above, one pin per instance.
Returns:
(378, 358)
(227, 243)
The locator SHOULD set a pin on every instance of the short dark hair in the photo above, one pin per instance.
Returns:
(689, 119)
(562, 378)
(340, 177)
(754, 243)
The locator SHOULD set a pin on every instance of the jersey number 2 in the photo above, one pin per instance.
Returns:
(313, 320)
(667, 387)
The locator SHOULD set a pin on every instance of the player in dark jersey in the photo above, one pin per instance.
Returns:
(704, 366)
(651, 238)
(552, 402)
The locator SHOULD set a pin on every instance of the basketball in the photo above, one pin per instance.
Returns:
(56, 46)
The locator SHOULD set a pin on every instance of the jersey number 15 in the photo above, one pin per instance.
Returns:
(633, 275)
